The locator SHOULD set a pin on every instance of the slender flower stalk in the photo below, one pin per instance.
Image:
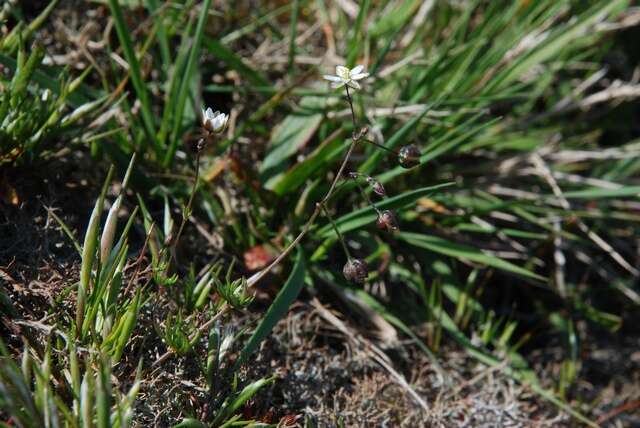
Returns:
(213, 123)
(380, 146)
(376, 186)
(355, 138)
(353, 114)
(187, 210)
(355, 269)
(366, 196)
(338, 233)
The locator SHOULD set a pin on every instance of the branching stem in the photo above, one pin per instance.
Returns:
(366, 196)
(355, 138)
(380, 146)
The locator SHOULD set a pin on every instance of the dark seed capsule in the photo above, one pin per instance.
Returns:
(387, 221)
(409, 156)
(376, 186)
(356, 270)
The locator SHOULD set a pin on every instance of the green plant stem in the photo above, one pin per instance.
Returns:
(353, 114)
(319, 207)
(380, 146)
(340, 237)
(187, 210)
(355, 138)
(366, 197)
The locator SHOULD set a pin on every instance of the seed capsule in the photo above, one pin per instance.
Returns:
(409, 156)
(356, 270)
(376, 186)
(387, 221)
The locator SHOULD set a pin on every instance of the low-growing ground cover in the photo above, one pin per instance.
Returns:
(444, 236)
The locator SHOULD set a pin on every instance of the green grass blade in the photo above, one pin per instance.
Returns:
(599, 193)
(355, 43)
(89, 254)
(163, 39)
(135, 72)
(10, 42)
(556, 43)
(289, 136)
(277, 310)
(255, 24)
(366, 215)
(236, 63)
(292, 35)
(325, 154)
(244, 395)
(185, 84)
(459, 251)
(398, 137)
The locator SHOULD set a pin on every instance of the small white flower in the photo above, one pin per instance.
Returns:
(344, 76)
(46, 94)
(214, 121)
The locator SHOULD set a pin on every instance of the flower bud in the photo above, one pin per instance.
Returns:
(356, 270)
(409, 156)
(214, 121)
(387, 221)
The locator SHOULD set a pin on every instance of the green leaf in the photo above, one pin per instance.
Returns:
(599, 193)
(459, 251)
(135, 71)
(295, 177)
(89, 252)
(290, 135)
(190, 423)
(234, 62)
(277, 310)
(244, 395)
(163, 39)
(185, 84)
(358, 28)
(366, 215)
(395, 19)
(554, 44)
(11, 41)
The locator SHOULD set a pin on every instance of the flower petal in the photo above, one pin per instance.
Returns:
(353, 84)
(335, 85)
(342, 72)
(331, 78)
(219, 122)
(359, 76)
(356, 70)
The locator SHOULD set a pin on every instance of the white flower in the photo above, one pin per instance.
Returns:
(344, 76)
(214, 121)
